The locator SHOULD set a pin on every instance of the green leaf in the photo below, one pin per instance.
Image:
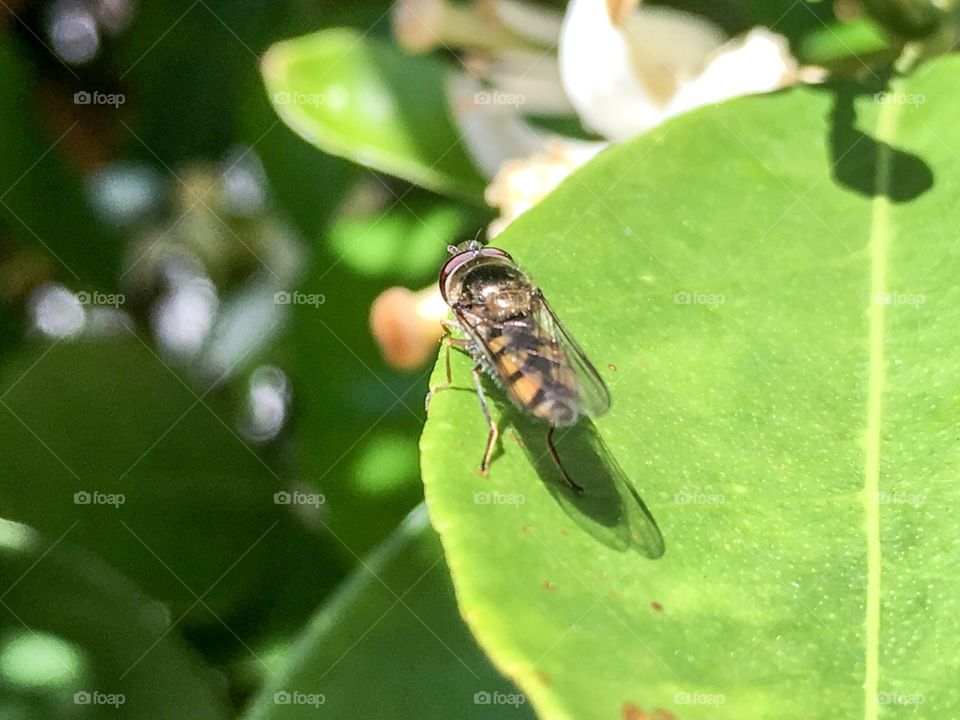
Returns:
(401, 241)
(838, 40)
(356, 657)
(768, 287)
(71, 627)
(168, 493)
(365, 100)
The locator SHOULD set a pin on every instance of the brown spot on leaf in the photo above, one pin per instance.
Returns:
(656, 606)
(564, 531)
(612, 367)
(629, 711)
(549, 585)
(544, 678)
(613, 593)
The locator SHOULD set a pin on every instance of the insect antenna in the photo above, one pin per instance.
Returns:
(473, 245)
(578, 489)
(476, 243)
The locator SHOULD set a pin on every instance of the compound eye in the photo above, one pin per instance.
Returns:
(449, 266)
(496, 252)
(465, 256)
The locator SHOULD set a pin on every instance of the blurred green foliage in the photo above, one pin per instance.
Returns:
(113, 408)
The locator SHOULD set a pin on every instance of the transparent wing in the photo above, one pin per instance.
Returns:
(477, 330)
(593, 393)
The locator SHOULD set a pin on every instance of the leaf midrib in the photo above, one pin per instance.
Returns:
(879, 247)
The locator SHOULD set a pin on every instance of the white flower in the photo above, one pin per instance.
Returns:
(627, 69)
(521, 184)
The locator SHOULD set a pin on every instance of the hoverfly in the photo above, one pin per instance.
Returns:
(512, 333)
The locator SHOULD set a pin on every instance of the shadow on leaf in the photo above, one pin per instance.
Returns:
(854, 155)
(609, 509)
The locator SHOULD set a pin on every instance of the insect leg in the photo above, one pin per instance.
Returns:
(494, 432)
(578, 489)
(447, 341)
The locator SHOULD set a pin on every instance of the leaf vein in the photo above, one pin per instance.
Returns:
(881, 236)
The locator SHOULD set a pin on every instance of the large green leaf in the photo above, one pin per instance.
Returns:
(355, 660)
(768, 287)
(104, 442)
(365, 100)
(78, 641)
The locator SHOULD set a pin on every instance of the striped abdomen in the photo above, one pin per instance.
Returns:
(536, 373)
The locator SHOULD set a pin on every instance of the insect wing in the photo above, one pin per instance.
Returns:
(593, 393)
(482, 333)
(510, 350)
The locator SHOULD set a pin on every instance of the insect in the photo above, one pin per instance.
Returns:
(512, 333)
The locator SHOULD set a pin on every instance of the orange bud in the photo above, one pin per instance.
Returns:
(407, 325)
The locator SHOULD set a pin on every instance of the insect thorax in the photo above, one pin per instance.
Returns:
(499, 292)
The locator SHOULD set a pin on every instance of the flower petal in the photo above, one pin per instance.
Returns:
(521, 184)
(620, 72)
(758, 62)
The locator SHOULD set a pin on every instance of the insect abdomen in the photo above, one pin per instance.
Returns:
(538, 381)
